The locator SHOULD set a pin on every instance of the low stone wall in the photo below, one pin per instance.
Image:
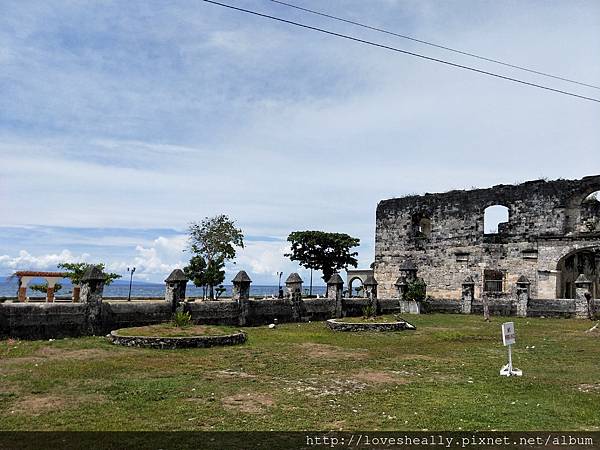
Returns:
(265, 311)
(172, 343)
(338, 325)
(133, 314)
(443, 306)
(317, 309)
(43, 320)
(214, 312)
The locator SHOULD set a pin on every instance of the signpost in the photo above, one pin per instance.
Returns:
(508, 339)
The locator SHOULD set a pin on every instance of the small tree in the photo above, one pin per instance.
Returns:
(75, 272)
(319, 250)
(196, 271)
(215, 240)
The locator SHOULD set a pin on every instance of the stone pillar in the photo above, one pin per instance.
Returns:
(335, 291)
(408, 274)
(468, 294)
(402, 286)
(50, 284)
(241, 294)
(523, 285)
(294, 287)
(371, 290)
(175, 286)
(583, 297)
(92, 288)
(76, 293)
(22, 296)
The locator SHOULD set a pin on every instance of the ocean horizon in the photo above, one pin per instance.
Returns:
(8, 288)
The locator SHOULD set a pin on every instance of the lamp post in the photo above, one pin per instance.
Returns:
(279, 291)
(130, 281)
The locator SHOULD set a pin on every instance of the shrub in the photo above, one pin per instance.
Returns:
(182, 319)
(417, 290)
(368, 311)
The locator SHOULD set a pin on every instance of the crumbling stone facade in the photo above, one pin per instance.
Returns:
(552, 236)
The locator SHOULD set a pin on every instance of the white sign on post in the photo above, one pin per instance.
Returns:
(508, 339)
(508, 333)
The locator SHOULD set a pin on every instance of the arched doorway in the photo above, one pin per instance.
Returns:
(585, 261)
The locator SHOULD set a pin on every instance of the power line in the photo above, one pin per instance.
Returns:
(387, 47)
(403, 36)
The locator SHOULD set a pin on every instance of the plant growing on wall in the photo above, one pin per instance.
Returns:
(319, 250)
(215, 240)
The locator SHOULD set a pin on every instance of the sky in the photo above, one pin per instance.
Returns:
(122, 122)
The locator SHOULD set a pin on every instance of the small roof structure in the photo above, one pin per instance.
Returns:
(408, 265)
(241, 277)
(176, 275)
(335, 279)
(469, 280)
(294, 278)
(523, 280)
(582, 279)
(32, 273)
(93, 273)
(370, 281)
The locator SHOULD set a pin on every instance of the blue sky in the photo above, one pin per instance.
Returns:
(121, 122)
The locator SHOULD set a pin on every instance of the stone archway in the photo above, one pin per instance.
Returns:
(584, 261)
(354, 276)
(26, 276)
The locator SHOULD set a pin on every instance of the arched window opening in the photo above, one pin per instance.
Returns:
(495, 219)
(584, 261)
(425, 227)
(356, 288)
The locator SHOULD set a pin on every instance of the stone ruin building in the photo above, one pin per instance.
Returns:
(551, 237)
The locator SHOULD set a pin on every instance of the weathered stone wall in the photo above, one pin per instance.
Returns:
(545, 225)
(43, 320)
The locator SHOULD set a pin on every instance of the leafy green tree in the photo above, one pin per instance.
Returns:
(214, 240)
(75, 272)
(319, 250)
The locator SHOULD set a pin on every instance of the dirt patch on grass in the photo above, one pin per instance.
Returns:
(83, 354)
(332, 352)
(380, 377)
(228, 373)
(589, 388)
(35, 405)
(252, 403)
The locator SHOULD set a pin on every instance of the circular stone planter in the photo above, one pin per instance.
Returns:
(340, 325)
(177, 342)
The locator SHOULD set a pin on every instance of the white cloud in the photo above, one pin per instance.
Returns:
(25, 261)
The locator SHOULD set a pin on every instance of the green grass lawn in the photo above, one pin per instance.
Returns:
(444, 376)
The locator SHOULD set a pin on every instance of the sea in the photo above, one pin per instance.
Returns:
(120, 288)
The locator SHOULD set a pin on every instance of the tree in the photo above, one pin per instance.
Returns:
(416, 290)
(319, 250)
(196, 271)
(75, 272)
(215, 240)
